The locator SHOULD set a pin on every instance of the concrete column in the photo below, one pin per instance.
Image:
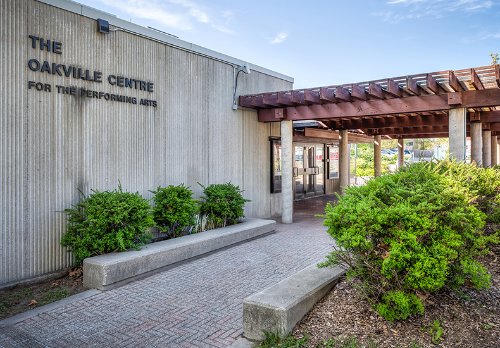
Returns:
(476, 143)
(494, 150)
(377, 154)
(456, 137)
(401, 152)
(343, 160)
(286, 172)
(486, 148)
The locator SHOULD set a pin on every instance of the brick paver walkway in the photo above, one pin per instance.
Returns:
(196, 304)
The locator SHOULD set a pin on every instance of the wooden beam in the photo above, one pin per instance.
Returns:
(495, 127)
(298, 98)
(481, 98)
(412, 86)
(327, 95)
(425, 136)
(352, 138)
(476, 81)
(497, 74)
(342, 94)
(432, 84)
(453, 81)
(387, 122)
(270, 100)
(321, 133)
(375, 91)
(255, 101)
(486, 116)
(413, 130)
(358, 92)
(311, 96)
(394, 89)
(285, 99)
(424, 103)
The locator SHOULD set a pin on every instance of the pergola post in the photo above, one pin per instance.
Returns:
(476, 143)
(456, 133)
(377, 154)
(401, 152)
(494, 150)
(343, 160)
(286, 172)
(486, 148)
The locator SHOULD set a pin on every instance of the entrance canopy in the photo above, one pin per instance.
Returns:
(415, 106)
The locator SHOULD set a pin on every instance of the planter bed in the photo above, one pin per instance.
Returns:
(103, 271)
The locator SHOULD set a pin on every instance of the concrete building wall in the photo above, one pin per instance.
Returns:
(52, 146)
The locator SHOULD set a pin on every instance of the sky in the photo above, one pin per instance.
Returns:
(321, 42)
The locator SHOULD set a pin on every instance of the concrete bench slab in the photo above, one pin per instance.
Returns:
(280, 307)
(100, 272)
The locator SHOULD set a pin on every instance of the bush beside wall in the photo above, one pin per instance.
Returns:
(105, 222)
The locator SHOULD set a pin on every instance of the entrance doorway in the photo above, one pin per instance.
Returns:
(308, 170)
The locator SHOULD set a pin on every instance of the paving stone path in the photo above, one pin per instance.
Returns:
(195, 304)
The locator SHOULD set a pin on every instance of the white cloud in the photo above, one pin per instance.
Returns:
(153, 11)
(176, 14)
(413, 9)
(279, 38)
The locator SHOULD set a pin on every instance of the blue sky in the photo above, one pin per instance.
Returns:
(324, 42)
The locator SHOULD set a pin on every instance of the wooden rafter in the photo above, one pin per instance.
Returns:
(399, 104)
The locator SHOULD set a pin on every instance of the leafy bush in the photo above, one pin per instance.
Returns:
(482, 184)
(406, 234)
(105, 222)
(174, 209)
(222, 203)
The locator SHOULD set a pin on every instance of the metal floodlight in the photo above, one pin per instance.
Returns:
(245, 68)
(102, 26)
(242, 68)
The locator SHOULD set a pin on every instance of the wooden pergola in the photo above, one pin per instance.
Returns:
(452, 103)
(413, 106)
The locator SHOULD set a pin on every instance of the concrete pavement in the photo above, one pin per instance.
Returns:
(195, 304)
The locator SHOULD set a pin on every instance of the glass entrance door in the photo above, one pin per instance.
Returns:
(308, 170)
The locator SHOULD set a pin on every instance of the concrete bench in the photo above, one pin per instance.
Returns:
(100, 272)
(280, 307)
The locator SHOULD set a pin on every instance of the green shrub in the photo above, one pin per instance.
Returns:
(223, 204)
(482, 185)
(174, 209)
(408, 233)
(105, 222)
(396, 305)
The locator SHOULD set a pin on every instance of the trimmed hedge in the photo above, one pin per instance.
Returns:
(222, 204)
(174, 209)
(105, 222)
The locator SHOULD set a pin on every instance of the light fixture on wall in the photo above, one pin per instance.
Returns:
(243, 68)
(102, 26)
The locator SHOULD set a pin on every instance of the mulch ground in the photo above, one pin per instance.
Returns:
(471, 319)
(26, 297)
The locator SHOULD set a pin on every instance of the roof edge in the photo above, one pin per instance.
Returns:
(166, 39)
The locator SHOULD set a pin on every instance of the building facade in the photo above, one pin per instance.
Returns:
(83, 110)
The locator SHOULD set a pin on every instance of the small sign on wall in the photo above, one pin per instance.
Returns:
(333, 161)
